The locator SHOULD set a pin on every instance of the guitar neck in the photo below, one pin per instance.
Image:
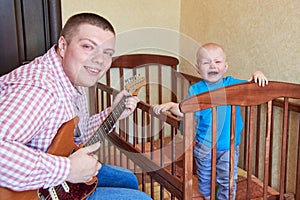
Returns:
(108, 123)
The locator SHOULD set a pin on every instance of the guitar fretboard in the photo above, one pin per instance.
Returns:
(108, 123)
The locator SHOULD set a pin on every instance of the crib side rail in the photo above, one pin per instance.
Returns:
(251, 98)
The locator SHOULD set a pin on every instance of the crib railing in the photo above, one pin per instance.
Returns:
(270, 131)
(139, 145)
(158, 151)
(145, 143)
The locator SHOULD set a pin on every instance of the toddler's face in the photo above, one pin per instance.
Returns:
(211, 64)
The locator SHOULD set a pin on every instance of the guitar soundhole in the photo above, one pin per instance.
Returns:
(78, 191)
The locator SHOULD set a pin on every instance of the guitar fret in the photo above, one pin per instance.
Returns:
(106, 128)
(95, 138)
(108, 123)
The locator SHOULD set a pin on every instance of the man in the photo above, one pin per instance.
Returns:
(37, 98)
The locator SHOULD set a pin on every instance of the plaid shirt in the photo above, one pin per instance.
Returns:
(35, 100)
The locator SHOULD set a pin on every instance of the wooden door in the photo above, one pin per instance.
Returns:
(28, 28)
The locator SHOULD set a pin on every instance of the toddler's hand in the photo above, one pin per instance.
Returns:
(162, 107)
(260, 78)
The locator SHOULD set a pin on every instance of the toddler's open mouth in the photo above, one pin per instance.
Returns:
(212, 73)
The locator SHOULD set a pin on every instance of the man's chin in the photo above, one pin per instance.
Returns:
(88, 83)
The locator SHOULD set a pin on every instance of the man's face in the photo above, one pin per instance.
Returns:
(212, 64)
(88, 55)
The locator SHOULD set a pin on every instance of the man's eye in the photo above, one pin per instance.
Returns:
(88, 47)
(108, 53)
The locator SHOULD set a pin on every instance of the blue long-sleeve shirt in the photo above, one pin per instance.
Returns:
(203, 118)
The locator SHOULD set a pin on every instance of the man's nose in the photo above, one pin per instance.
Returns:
(97, 57)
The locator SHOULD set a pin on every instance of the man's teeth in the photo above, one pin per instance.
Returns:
(93, 70)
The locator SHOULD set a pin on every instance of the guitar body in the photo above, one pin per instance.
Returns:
(62, 145)
(7, 194)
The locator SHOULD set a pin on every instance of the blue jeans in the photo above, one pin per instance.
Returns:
(117, 183)
(202, 155)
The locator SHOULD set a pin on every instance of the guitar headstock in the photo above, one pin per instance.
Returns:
(134, 84)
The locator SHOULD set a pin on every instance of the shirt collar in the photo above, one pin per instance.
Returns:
(56, 61)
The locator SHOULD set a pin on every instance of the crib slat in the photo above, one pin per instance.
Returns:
(284, 149)
(258, 143)
(173, 150)
(267, 150)
(135, 128)
(147, 75)
(271, 143)
(213, 153)
(143, 149)
(232, 157)
(250, 146)
(297, 196)
(160, 97)
(246, 130)
(162, 153)
(188, 157)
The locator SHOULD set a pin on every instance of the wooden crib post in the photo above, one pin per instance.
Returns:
(188, 158)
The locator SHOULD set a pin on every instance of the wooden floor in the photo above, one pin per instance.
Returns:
(255, 194)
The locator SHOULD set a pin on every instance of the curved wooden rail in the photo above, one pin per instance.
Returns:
(136, 60)
(245, 94)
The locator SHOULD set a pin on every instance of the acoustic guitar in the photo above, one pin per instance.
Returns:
(63, 145)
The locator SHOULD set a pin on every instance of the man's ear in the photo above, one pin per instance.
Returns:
(62, 45)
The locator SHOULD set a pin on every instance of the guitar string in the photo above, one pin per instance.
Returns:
(106, 127)
(108, 123)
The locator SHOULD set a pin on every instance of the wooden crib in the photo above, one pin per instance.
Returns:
(161, 154)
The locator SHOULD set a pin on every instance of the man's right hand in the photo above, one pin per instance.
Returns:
(84, 164)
